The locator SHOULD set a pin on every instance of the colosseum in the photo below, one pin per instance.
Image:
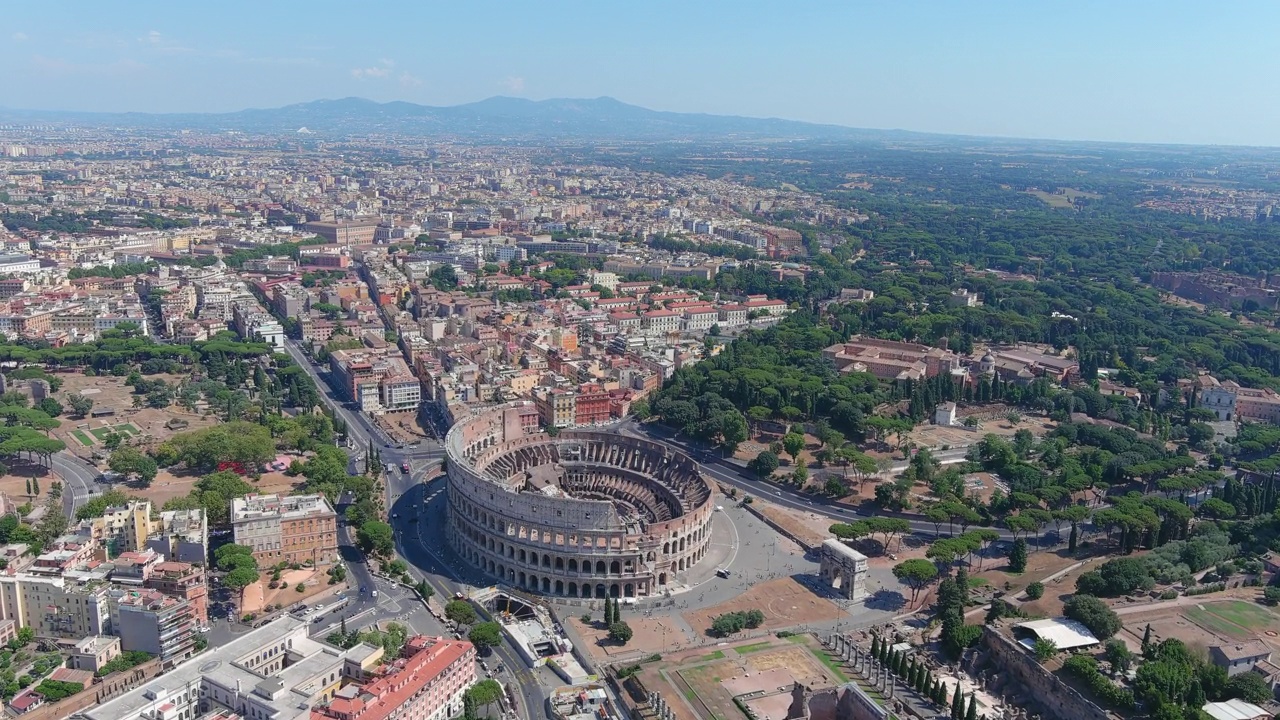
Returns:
(582, 514)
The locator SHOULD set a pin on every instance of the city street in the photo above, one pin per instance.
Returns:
(447, 575)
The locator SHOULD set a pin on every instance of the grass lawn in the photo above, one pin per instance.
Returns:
(1235, 618)
(754, 647)
(125, 429)
(84, 439)
(717, 655)
(831, 664)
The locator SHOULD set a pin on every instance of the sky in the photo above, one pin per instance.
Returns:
(1129, 70)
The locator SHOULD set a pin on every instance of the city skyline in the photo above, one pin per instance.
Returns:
(1169, 73)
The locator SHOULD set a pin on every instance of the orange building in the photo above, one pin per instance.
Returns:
(426, 682)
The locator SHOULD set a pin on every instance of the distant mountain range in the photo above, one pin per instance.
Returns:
(497, 117)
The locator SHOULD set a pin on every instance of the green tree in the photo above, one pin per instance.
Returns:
(620, 632)
(80, 405)
(1250, 687)
(1044, 649)
(1094, 614)
(1018, 556)
(485, 635)
(764, 464)
(793, 443)
(239, 579)
(460, 611)
(917, 574)
(376, 538)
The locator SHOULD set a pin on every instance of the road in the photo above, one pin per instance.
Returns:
(79, 481)
(426, 552)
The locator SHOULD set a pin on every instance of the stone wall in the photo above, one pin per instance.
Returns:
(102, 690)
(1055, 699)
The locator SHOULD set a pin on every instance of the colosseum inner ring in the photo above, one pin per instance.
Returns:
(583, 514)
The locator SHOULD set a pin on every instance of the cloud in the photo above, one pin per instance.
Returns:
(381, 70)
(153, 37)
(407, 80)
(514, 84)
(19, 37)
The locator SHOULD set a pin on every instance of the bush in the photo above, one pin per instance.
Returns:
(730, 623)
(1086, 668)
(1271, 595)
(1093, 614)
(300, 587)
(1035, 590)
(1206, 589)
(1044, 649)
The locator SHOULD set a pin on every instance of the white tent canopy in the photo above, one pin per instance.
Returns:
(1065, 634)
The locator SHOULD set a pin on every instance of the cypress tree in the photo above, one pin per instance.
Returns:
(940, 694)
(875, 646)
(912, 673)
(902, 666)
(1146, 639)
(972, 714)
(926, 681)
(892, 662)
(957, 704)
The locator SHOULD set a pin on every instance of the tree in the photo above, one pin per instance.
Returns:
(376, 538)
(460, 611)
(1250, 687)
(1035, 590)
(80, 405)
(425, 591)
(957, 704)
(764, 464)
(917, 574)
(793, 443)
(240, 578)
(1093, 614)
(1118, 654)
(1271, 595)
(485, 635)
(972, 712)
(1018, 556)
(1044, 648)
(620, 632)
(228, 557)
(50, 407)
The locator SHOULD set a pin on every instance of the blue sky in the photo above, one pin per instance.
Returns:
(1131, 70)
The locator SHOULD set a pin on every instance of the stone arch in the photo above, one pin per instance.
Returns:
(586, 590)
(599, 567)
(559, 563)
(613, 590)
(573, 589)
(546, 561)
(559, 587)
(522, 580)
(573, 565)
(533, 559)
(600, 591)
(629, 590)
(666, 548)
(615, 567)
(546, 584)
(662, 578)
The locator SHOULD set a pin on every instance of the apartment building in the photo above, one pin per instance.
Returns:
(556, 407)
(592, 405)
(275, 672)
(57, 606)
(400, 393)
(295, 528)
(177, 534)
(156, 623)
(427, 682)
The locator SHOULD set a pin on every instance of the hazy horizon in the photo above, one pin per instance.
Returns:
(1143, 72)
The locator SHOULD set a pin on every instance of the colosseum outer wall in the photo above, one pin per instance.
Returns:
(555, 544)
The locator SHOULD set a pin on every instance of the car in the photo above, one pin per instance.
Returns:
(317, 619)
